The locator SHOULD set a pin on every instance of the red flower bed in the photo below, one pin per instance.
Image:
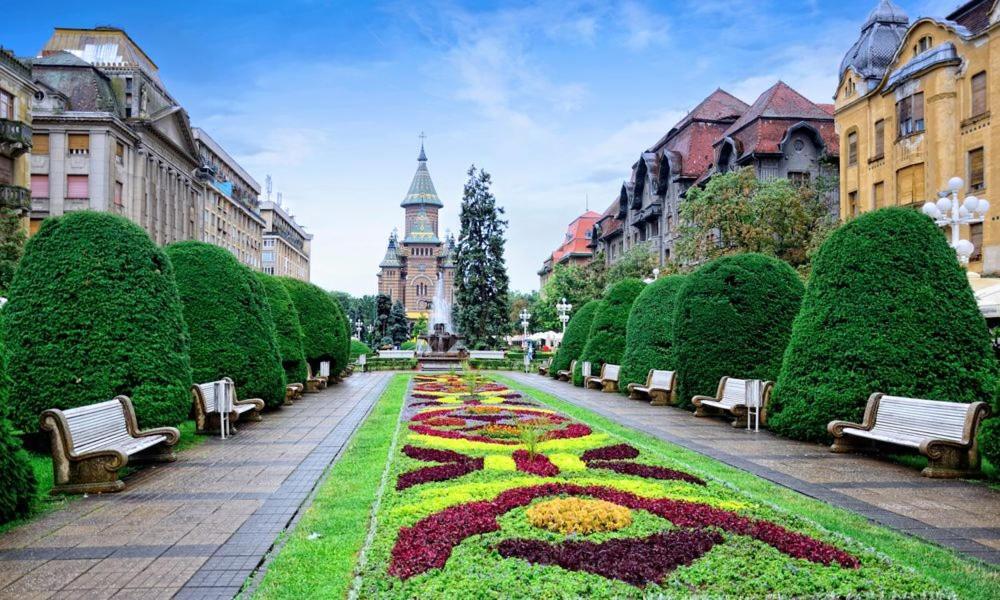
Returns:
(649, 471)
(428, 543)
(430, 414)
(455, 435)
(539, 464)
(438, 473)
(636, 561)
(433, 455)
(573, 430)
(445, 422)
(616, 452)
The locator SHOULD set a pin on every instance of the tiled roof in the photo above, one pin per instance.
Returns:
(576, 241)
(974, 16)
(422, 188)
(763, 127)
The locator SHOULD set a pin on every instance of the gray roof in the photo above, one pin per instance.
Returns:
(422, 188)
(881, 35)
(391, 254)
(86, 87)
(943, 53)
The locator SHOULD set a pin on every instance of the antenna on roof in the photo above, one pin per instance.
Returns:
(588, 201)
(279, 198)
(267, 186)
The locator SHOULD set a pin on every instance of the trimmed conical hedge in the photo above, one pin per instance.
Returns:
(649, 340)
(287, 326)
(575, 337)
(229, 320)
(323, 325)
(19, 483)
(733, 318)
(93, 313)
(606, 340)
(888, 309)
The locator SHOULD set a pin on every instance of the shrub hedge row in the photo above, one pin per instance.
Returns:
(606, 340)
(231, 327)
(575, 338)
(287, 326)
(649, 338)
(19, 484)
(324, 325)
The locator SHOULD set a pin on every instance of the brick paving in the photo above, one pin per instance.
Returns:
(196, 528)
(961, 515)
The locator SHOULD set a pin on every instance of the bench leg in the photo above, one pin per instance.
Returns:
(610, 386)
(252, 416)
(948, 462)
(213, 425)
(848, 444)
(659, 398)
(706, 411)
(161, 453)
(90, 476)
(312, 387)
(740, 414)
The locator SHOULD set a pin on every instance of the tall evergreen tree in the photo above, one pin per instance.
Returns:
(383, 308)
(480, 270)
(12, 238)
(399, 327)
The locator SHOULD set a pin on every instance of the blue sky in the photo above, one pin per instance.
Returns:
(555, 99)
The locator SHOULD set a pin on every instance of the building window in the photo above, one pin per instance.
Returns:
(852, 148)
(267, 256)
(79, 143)
(878, 195)
(799, 178)
(910, 113)
(120, 153)
(852, 204)
(910, 185)
(977, 170)
(6, 105)
(879, 139)
(976, 237)
(979, 94)
(923, 44)
(77, 187)
(119, 193)
(40, 144)
(39, 186)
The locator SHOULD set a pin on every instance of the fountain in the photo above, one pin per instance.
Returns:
(440, 348)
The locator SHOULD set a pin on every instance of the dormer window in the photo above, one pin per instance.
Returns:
(923, 44)
(851, 87)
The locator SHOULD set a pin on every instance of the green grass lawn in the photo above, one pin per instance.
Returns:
(41, 464)
(968, 578)
(318, 559)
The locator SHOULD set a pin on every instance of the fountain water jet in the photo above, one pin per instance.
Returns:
(440, 348)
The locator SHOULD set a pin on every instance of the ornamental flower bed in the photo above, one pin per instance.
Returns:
(515, 500)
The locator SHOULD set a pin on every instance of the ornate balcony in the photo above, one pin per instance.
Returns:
(15, 197)
(653, 211)
(15, 138)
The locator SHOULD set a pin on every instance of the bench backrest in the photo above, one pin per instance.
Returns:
(572, 366)
(213, 396)
(585, 369)
(324, 368)
(101, 425)
(922, 418)
(734, 392)
(610, 372)
(661, 380)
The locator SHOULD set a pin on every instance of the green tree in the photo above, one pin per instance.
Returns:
(230, 322)
(323, 325)
(637, 263)
(518, 301)
(578, 284)
(93, 312)
(383, 308)
(12, 238)
(888, 309)
(606, 340)
(480, 270)
(19, 483)
(575, 338)
(736, 212)
(287, 326)
(733, 318)
(649, 341)
(399, 326)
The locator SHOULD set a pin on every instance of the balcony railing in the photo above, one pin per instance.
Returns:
(15, 138)
(289, 237)
(15, 197)
(649, 213)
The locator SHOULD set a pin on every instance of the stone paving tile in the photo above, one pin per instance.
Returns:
(960, 515)
(196, 528)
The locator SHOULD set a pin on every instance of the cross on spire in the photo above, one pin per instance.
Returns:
(423, 156)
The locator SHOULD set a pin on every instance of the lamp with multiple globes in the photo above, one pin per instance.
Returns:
(950, 211)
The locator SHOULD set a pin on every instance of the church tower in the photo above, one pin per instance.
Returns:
(410, 270)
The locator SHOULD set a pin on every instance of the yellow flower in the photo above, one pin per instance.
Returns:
(578, 515)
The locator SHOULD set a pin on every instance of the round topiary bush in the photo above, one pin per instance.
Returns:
(606, 340)
(358, 348)
(229, 320)
(323, 319)
(888, 309)
(287, 326)
(733, 318)
(649, 338)
(19, 484)
(94, 313)
(575, 338)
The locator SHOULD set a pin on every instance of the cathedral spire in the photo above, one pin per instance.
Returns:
(422, 190)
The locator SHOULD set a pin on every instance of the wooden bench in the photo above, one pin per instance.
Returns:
(567, 375)
(90, 444)
(944, 432)
(543, 368)
(607, 381)
(658, 389)
(731, 398)
(313, 383)
(206, 406)
(293, 392)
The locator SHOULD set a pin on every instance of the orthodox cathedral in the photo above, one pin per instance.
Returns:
(411, 269)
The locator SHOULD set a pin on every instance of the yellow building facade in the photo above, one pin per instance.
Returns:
(16, 93)
(926, 118)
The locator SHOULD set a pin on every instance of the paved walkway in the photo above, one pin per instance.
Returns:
(957, 514)
(196, 528)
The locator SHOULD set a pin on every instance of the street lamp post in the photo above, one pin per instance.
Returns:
(525, 316)
(563, 309)
(359, 326)
(656, 275)
(951, 212)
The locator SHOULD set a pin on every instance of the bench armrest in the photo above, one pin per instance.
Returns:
(836, 428)
(172, 434)
(696, 400)
(255, 401)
